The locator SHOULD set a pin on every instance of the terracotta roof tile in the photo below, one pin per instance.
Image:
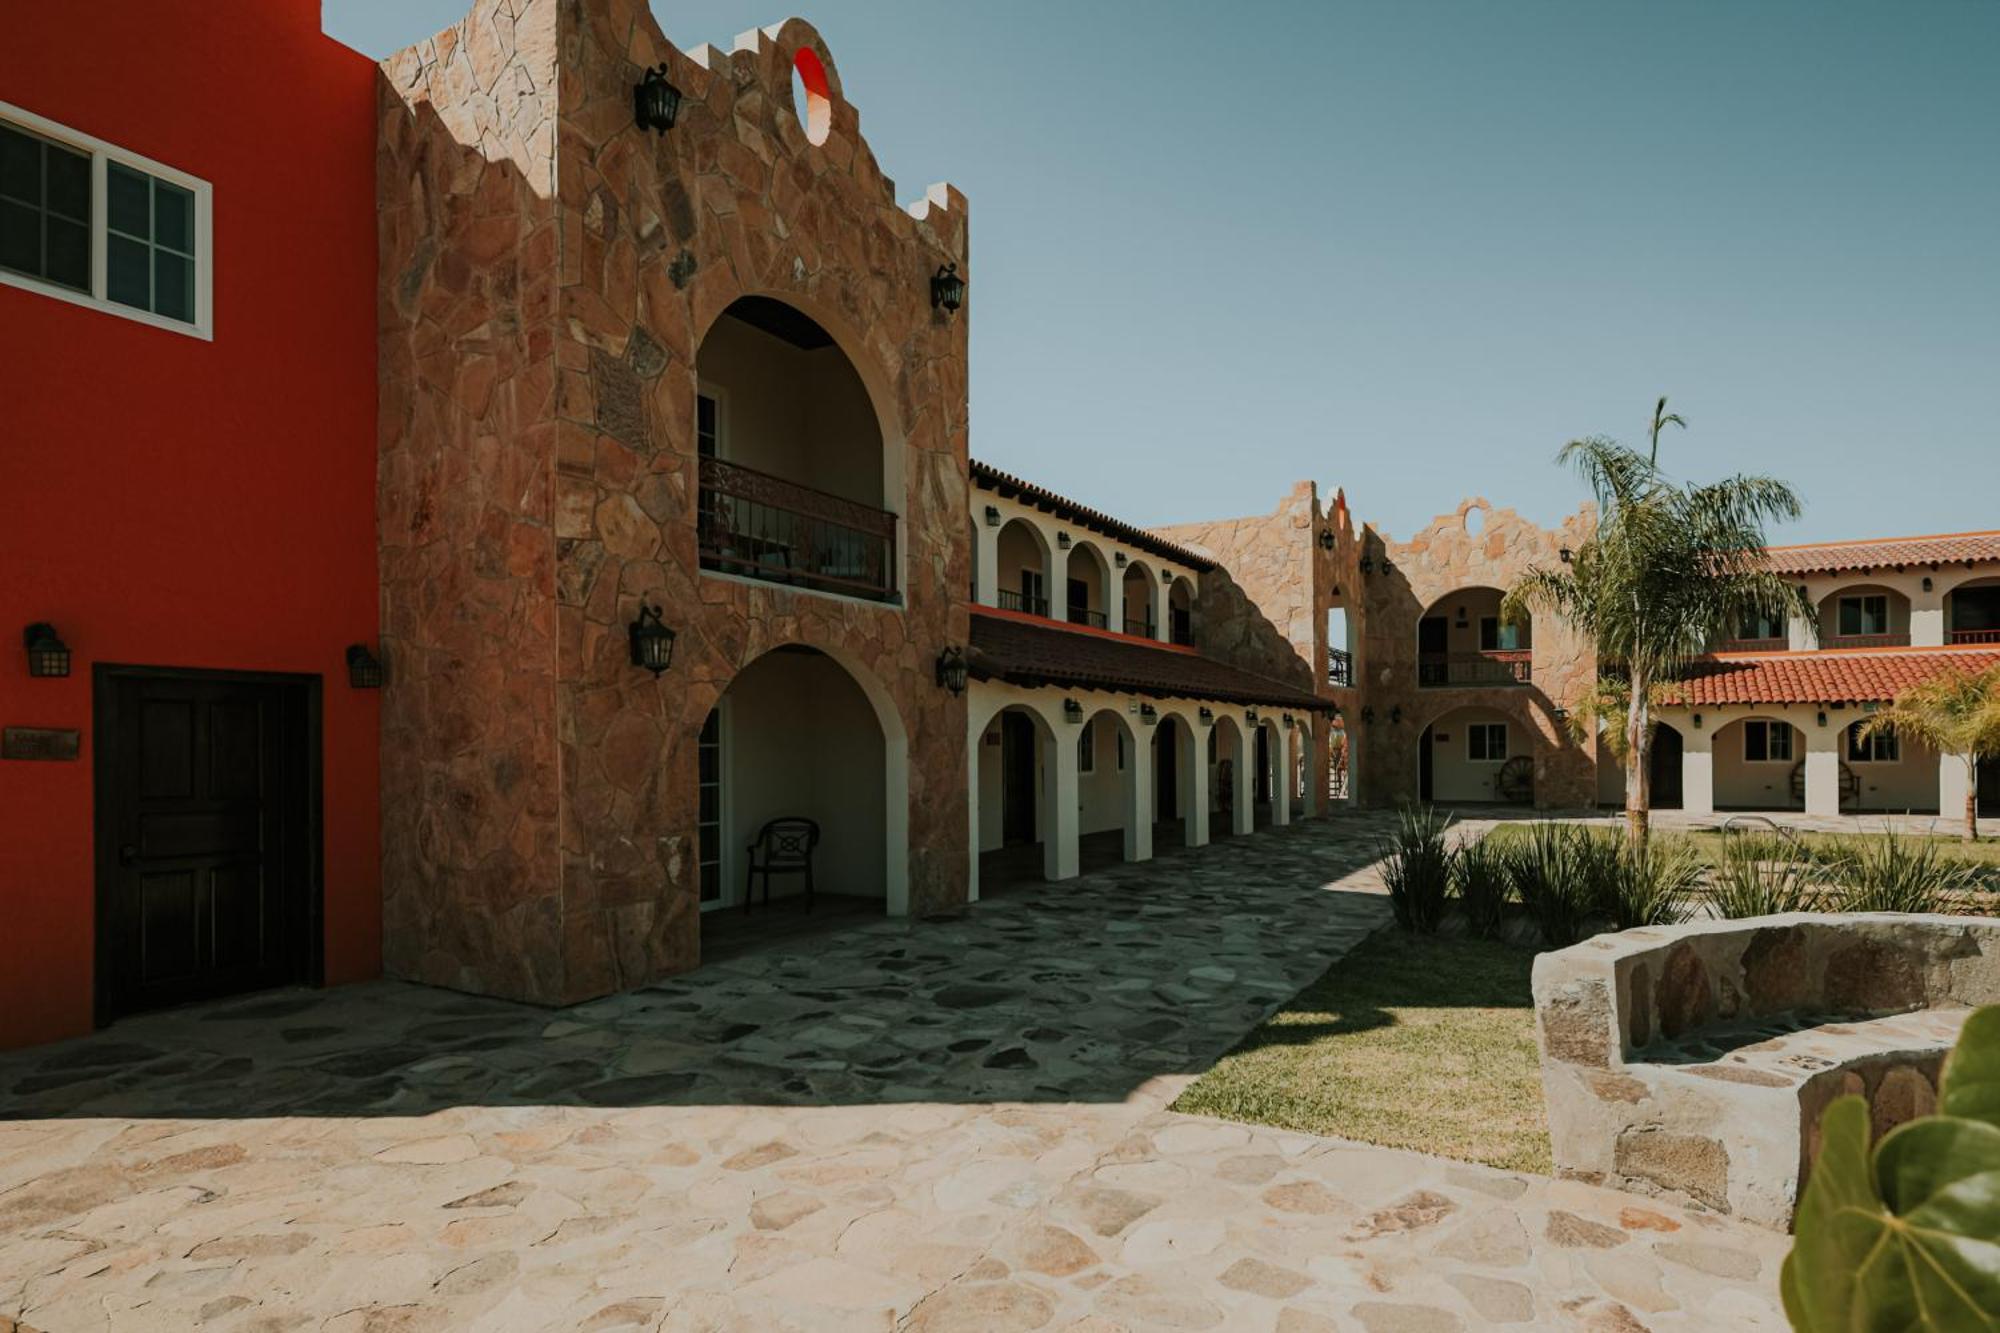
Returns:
(1882, 553)
(1007, 484)
(1026, 651)
(1822, 677)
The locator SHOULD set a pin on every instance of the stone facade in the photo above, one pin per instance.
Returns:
(1693, 1062)
(548, 273)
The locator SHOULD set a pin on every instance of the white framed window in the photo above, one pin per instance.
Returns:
(1866, 614)
(1086, 748)
(1486, 742)
(88, 222)
(1498, 636)
(1758, 625)
(711, 421)
(1881, 748)
(1767, 742)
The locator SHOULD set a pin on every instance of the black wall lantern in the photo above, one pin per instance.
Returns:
(1326, 539)
(1288, 722)
(1062, 540)
(1388, 565)
(1148, 714)
(1367, 714)
(1822, 717)
(1927, 583)
(656, 104)
(652, 642)
(364, 669)
(1119, 558)
(1250, 716)
(951, 669)
(992, 516)
(1697, 721)
(1072, 711)
(1207, 714)
(1367, 564)
(48, 655)
(1396, 713)
(947, 289)
(1565, 555)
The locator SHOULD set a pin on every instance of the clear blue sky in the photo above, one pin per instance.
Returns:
(1411, 248)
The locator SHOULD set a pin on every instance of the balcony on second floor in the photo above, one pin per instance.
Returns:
(764, 527)
(1080, 578)
(1972, 613)
(1464, 641)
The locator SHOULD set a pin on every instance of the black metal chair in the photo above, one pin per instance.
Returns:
(784, 846)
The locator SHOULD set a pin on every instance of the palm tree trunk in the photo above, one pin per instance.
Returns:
(1972, 798)
(1638, 769)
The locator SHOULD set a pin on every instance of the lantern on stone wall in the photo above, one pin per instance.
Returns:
(1326, 539)
(364, 669)
(951, 669)
(652, 641)
(947, 289)
(656, 104)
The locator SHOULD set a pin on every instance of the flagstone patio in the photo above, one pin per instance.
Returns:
(952, 1125)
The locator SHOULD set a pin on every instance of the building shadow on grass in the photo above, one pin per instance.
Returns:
(1080, 991)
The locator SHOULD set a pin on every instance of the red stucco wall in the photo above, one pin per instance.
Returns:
(174, 502)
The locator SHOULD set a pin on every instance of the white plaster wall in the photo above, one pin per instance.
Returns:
(1454, 777)
(803, 740)
(1101, 793)
(1908, 785)
(804, 416)
(1744, 785)
(1829, 607)
(1111, 588)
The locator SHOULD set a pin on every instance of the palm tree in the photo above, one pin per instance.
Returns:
(1955, 713)
(1670, 569)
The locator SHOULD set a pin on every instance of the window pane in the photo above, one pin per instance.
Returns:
(173, 285)
(1475, 742)
(1496, 744)
(173, 217)
(69, 183)
(1755, 741)
(69, 253)
(129, 202)
(1781, 741)
(129, 280)
(20, 166)
(20, 238)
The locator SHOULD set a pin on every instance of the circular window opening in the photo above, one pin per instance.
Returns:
(811, 97)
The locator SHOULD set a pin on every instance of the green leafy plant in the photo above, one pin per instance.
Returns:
(1955, 713)
(1479, 880)
(1906, 1237)
(1892, 872)
(1552, 872)
(1416, 868)
(1763, 875)
(1652, 884)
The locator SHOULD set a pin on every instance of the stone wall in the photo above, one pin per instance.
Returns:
(549, 271)
(1451, 553)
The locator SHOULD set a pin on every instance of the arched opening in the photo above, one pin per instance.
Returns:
(1890, 774)
(1139, 596)
(801, 736)
(1173, 759)
(1107, 789)
(1339, 760)
(1864, 615)
(1267, 772)
(1760, 765)
(1180, 612)
(1015, 776)
(1085, 598)
(1021, 562)
(1972, 613)
(1476, 756)
(1230, 804)
(1463, 639)
(1663, 764)
(812, 95)
(798, 484)
(1339, 647)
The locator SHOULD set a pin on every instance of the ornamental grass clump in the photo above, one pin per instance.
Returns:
(1652, 884)
(1892, 872)
(1763, 875)
(1479, 881)
(1416, 868)
(1551, 872)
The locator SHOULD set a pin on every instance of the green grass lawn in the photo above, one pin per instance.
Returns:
(1410, 1041)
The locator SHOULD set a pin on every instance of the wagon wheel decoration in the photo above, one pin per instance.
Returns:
(1515, 782)
(1850, 785)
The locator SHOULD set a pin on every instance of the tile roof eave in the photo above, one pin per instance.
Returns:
(1010, 486)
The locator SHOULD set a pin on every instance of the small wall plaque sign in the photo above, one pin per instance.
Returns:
(40, 743)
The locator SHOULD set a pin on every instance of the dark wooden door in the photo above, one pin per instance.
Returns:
(1426, 766)
(1987, 776)
(207, 857)
(1019, 778)
(1263, 780)
(1665, 770)
(1166, 773)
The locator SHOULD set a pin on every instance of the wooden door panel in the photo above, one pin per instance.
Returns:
(169, 926)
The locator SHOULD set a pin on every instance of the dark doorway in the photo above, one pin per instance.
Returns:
(1263, 785)
(1166, 772)
(1665, 767)
(1433, 665)
(207, 835)
(1018, 779)
(1988, 777)
(1425, 744)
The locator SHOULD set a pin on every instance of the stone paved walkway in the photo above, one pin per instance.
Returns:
(947, 1126)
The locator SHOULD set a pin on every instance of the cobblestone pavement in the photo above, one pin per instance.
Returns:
(944, 1126)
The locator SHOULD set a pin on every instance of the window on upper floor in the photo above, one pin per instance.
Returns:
(1867, 614)
(1757, 625)
(1497, 636)
(90, 223)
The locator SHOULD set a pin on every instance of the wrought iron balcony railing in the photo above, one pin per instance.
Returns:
(1180, 628)
(1509, 666)
(1339, 667)
(1010, 600)
(765, 527)
(1752, 645)
(1142, 629)
(1865, 641)
(1083, 615)
(1974, 636)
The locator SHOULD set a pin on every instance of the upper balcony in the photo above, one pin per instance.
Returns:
(1972, 612)
(1864, 616)
(1462, 641)
(795, 476)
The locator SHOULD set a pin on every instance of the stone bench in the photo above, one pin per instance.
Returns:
(1692, 1062)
